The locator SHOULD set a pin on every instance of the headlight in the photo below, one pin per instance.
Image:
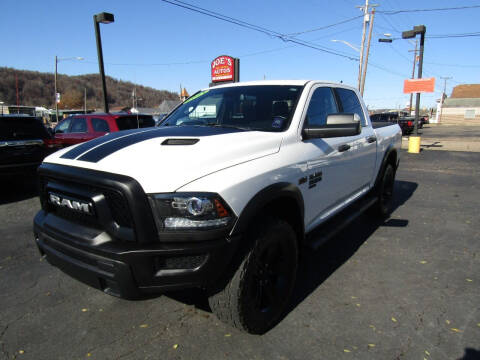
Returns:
(188, 211)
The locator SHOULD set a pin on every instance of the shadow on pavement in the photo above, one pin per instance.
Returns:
(316, 266)
(18, 188)
(471, 354)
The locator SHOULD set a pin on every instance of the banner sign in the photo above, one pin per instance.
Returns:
(418, 85)
(224, 69)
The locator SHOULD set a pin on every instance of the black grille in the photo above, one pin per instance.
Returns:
(118, 207)
(179, 262)
(75, 216)
(116, 202)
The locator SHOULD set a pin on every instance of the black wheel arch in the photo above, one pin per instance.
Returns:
(283, 200)
(390, 157)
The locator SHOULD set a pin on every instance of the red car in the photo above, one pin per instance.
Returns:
(80, 128)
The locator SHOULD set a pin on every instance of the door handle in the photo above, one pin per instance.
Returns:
(371, 139)
(343, 147)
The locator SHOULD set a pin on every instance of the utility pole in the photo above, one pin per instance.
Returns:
(413, 71)
(56, 97)
(362, 67)
(445, 78)
(364, 74)
(18, 101)
(365, 20)
(134, 94)
(85, 100)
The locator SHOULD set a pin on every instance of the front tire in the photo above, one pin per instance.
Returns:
(257, 295)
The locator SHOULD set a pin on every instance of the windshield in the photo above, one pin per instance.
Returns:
(262, 107)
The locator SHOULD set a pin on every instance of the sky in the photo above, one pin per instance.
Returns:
(155, 43)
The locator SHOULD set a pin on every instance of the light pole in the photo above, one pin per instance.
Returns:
(413, 72)
(57, 60)
(444, 78)
(104, 18)
(348, 44)
(386, 40)
(420, 29)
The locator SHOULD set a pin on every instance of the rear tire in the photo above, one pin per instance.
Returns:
(257, 295)
(384, 205)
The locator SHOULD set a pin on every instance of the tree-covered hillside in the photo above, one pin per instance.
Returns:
(37, 89)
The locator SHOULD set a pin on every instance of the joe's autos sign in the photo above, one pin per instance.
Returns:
(224, 68)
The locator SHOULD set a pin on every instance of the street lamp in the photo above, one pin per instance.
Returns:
(57, 60)
(420, 29)
(104, 18)
(348, 44)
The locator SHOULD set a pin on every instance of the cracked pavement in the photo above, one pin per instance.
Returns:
(408, 288)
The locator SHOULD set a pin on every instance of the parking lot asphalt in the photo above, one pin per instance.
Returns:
(407, 288)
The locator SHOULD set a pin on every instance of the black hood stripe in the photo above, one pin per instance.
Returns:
(102, 151)
(89, 145)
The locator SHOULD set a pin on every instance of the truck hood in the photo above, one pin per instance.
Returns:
(166, 158)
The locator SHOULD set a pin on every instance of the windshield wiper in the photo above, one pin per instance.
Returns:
(228, 126)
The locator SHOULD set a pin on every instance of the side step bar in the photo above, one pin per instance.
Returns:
(332, 227)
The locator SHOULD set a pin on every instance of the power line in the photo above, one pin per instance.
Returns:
(394, 12)
(263, 30)
(453, 65)
(326, 26)
(453, 35)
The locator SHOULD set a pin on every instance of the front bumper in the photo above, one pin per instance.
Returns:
(130, 269)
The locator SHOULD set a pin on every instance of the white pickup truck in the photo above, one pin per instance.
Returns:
(219, 196)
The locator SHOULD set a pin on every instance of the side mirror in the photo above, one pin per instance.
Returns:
(338, 125)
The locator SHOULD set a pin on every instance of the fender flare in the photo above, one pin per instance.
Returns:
(390, 149)
(265, 196)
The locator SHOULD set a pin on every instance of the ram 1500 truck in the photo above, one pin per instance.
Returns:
(219, 196)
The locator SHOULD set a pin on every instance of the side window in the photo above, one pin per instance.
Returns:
(79, 125)
(321, 105)
(349, 103)
(62, 127)
(100, 125)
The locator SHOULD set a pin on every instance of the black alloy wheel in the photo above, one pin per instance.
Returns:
(385, 196)
(258, 294)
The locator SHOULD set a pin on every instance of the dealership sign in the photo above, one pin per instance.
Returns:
(418, 85)
(225, 69)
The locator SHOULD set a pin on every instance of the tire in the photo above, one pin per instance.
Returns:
(257, 295)
(384, 205)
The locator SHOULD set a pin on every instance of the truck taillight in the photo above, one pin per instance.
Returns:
(410, 123)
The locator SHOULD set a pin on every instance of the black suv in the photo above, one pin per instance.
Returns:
(24, 142)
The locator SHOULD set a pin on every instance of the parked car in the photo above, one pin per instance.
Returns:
(406, 123)
(220, 196)
(24, 142)
(80, 128)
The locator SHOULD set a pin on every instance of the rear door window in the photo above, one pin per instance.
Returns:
(134, 122)
(349, 103)
(100, 125)
(79, 125)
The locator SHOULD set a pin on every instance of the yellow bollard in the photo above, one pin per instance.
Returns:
(414, 144)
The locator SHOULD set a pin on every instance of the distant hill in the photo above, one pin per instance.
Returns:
(37, 89)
